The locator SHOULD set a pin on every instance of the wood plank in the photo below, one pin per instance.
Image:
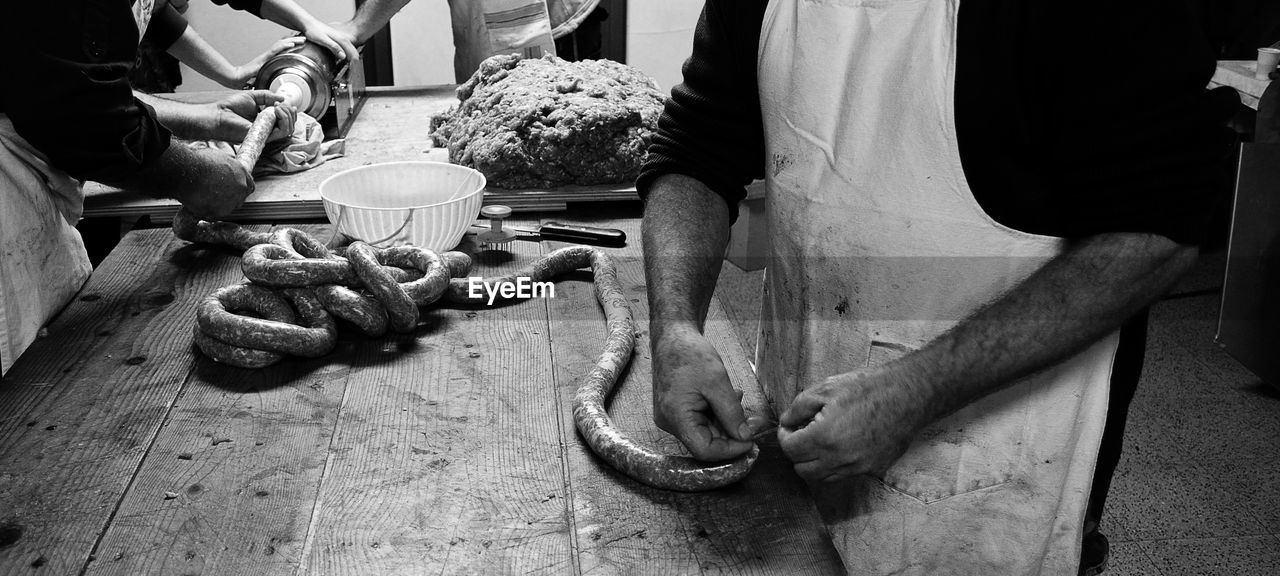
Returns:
(447, 458)
(764, 525)
(79, 411)
(230, 483)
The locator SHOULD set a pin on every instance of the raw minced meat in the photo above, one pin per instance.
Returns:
(546, 122)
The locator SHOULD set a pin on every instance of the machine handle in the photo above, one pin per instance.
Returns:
(256, 139)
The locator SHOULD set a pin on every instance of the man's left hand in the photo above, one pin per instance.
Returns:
(854, 423)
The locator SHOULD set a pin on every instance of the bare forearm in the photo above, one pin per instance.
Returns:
(186, 121)
(1077, 298)
(373, 15)
(207, 181)
(194, 51)
(686, 229)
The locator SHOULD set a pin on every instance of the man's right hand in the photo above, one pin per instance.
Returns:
(231, 117)
(693, 399)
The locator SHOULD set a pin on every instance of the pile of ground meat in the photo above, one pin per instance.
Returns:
(545, 122)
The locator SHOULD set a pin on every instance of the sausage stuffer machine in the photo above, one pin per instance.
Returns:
(309, 78)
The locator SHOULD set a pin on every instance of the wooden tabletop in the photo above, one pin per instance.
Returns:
(393, 125)
(450, 450)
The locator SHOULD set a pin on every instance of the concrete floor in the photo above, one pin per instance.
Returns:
(1198, 488)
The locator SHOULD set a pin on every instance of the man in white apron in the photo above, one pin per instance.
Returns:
(73, 117)
(941, 378)
(484, 28)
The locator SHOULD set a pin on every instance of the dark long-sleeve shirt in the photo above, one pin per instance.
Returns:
(68, 92)
(167, 25)
(1072, 119)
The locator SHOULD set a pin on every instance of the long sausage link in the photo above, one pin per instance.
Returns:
(592, 418)
(365, 313)
(540, 270)
(233, 355)
(590, 415)
(187, 227)
(264, 304)
(402, 312)
(216, 316)
(278, 266)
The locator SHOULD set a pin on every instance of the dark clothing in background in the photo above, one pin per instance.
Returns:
(154, 71)
(167, 25)
(586, 41)
(1237, 28)
(79, 54)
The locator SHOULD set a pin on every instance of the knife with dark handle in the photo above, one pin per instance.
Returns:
(609, 237)
(606, 237)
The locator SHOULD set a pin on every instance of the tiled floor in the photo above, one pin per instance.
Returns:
(1198, 488)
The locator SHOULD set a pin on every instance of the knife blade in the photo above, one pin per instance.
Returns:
(607, 237)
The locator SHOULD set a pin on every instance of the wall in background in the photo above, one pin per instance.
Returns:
(660, 37)
(422, 44)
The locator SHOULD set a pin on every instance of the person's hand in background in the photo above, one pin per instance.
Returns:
(340, 42)
(244, 74)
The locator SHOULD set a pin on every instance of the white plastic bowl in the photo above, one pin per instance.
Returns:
(426, 204)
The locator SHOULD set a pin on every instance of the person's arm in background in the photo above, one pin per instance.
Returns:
(708, 147)
(368, 19)
(170, 31)
(192, 49)
(287, 13)
(76, 106)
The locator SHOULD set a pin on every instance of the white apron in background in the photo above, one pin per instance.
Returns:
(484, 28)
(43, 262)
(878, 247)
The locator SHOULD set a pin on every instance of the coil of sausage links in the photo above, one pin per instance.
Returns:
(229, 337)
(589, 413)
(405, 277)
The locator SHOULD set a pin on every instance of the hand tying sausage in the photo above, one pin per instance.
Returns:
(589, 413)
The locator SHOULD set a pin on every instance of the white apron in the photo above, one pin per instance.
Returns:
(878, 247)
(43, 262)
(484, 28)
